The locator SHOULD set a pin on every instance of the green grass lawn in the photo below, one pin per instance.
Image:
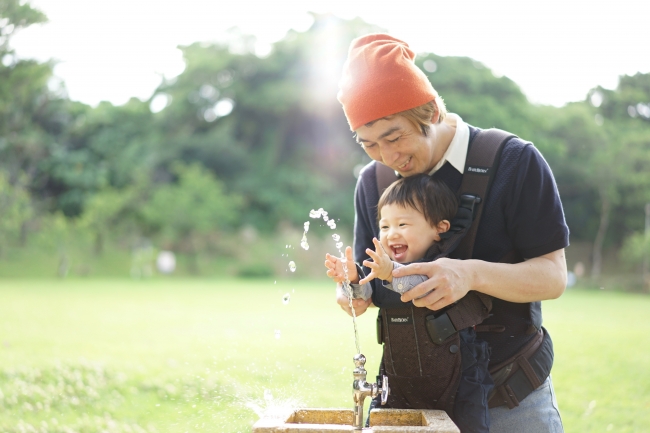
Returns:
(207, 356)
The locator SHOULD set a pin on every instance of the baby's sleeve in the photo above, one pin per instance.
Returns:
(403, 284)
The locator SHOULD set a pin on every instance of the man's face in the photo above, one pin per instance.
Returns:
(397, 143)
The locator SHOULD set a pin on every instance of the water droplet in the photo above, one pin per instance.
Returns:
(267, 393)
(286, 298)
(314, 213)
(331, 224)
(277, 334)
(292, 266)
(339, 245)
(303, 242)
(286, 246)
(336, 237)
(306, 226)
(326, 218)
(275, 282)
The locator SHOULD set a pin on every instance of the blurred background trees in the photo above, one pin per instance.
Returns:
(239, 147)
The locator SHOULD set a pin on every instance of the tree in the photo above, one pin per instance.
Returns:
(29, 112)
(181, 214)
(15, 208)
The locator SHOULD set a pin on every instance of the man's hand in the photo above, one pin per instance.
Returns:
(360, 306)
(335, 270)
(381, 267)
(535, 279)
(449, 281)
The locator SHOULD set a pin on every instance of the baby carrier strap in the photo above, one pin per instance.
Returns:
(481, 165)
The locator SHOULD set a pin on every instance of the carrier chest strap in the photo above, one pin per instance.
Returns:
(481, 165)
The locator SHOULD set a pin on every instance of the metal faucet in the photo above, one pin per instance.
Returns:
(362, 389)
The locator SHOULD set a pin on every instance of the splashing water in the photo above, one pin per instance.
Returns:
(286, 298)
(348, 292)
(292, 266)
(271, 406)
(346, 283)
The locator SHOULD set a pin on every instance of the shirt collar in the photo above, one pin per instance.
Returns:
(457, 151)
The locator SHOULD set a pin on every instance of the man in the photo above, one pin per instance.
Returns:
(401, 122)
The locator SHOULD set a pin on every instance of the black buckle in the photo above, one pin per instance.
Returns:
(439, 328)
(469, 202)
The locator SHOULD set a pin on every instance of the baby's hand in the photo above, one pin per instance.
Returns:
(381, 266)
(334, 267)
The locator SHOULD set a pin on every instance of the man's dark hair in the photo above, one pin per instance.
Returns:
(427, 195)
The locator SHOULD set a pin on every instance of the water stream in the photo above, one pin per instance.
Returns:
(321, 213)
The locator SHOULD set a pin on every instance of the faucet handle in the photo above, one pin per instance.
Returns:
(359, 360)
(385, 390)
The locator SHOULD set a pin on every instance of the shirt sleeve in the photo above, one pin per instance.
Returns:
(403, 284)
(363, 227)
(534, 211)
(365, 199)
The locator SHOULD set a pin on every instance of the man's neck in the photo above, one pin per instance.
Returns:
(443, 133)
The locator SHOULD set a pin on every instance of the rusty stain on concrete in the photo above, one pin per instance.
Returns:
(340, 421)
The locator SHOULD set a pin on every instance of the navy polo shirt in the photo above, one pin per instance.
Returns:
(523, 212)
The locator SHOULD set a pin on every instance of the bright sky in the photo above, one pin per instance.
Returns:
(556, 50)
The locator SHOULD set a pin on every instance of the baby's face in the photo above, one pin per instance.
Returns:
(405, 234)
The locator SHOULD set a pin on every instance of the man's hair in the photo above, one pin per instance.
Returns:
(427, 195)
(420, 116)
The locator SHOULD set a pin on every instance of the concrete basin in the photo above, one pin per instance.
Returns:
(340, 421)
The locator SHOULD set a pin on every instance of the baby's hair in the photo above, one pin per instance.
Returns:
(427, 195)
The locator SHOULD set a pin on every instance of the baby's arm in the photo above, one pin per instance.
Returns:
(403, 284)
(381, 267)
(335, 271)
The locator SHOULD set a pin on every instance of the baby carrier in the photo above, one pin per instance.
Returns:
(433, 360)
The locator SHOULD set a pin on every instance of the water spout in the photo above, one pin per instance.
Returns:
(362, 389)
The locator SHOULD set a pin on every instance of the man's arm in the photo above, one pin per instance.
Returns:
(536, 279)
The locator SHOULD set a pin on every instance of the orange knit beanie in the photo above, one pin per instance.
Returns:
(379, 79)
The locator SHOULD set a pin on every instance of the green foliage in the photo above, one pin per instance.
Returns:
(270, 131)
(183, 213)
(636, 248)
(16, 211)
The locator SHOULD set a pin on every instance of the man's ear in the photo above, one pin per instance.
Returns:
(443, 226)
(436, 113)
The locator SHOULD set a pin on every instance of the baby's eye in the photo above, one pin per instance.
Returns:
(402, 224)
(384, 227)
